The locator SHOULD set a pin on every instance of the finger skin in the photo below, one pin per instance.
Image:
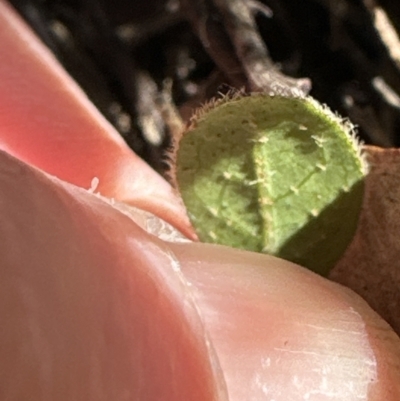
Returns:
(95, 308)
(47, 121)
(289, 333)
(91, 309)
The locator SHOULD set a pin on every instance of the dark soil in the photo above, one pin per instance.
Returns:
(134, 58)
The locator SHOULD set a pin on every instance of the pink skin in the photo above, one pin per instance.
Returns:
(47, 121)
(95, 308)
(289, 334)
(87, 312)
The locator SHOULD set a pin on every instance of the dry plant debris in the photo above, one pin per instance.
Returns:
(371, 264)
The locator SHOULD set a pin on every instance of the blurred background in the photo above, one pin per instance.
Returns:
(146, 64)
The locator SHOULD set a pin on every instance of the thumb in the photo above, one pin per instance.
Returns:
(95, 308)
(284, 333)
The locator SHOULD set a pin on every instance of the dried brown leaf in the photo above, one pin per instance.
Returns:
(371, 264)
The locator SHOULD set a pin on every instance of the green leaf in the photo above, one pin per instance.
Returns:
(277, 175)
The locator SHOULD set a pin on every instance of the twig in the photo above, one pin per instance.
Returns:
(229, 33)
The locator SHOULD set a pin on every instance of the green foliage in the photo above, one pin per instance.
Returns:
(277, 175)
